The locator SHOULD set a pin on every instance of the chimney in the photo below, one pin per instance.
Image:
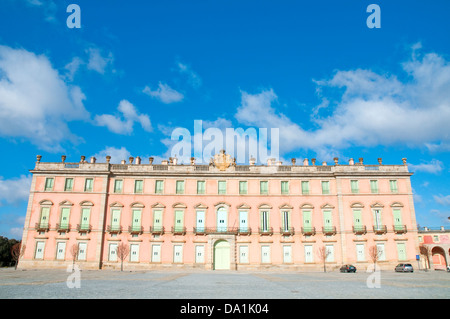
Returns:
(138, 160)
(131, 159)
(83, 158)
(93, 160)
(351, 161)
(305, 162)
(361, 161)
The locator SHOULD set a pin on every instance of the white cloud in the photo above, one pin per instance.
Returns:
(35, 103)
(124, 124)
(117, 154)
(164, 93)
(434, 167)
(49, 7)
(443, 200)
(370, 109)
(97, 62)
(193, 78)
(15, 189)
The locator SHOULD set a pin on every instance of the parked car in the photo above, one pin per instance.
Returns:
(404, 268)
(348, 268)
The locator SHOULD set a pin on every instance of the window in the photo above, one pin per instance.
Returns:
(287, 254)
(242, 187)
(39, 253)
(49, 184)
(89, 185)
(159, 187)
(309, 257)
(357, 219)
(43, 221)
(436, 238)
(305, 187)
(118, 184)
(112, 256)
(199, 254)
(264, 187)
(68, 185)
(82, 247)
(243, 221)
(243, 254)
(265, 254)
(381, 252)
(156, 253)
(327, 220)
(64, 222)
(285, 220)
(180, 187)
(398, 225)
(307, 224)
(401, 251)
(284, 187)
(374, 187)
(157, 220)
(222, 187)
(60, 250)
(179, 220)
(360, 252)
(325, 187)
(136, 220)
(200, 223)
(115, 219)
(201, 187)
(138, 186)
(329, 249)
(134, 252)
(177, 254)
(85, 216)
(354, 186)
(264, 221)
(393, 186)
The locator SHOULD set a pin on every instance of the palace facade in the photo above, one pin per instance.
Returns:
(219, 216)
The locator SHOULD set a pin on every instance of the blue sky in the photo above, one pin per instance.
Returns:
(136, 70)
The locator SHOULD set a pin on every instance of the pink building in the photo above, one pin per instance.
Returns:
(219, 216)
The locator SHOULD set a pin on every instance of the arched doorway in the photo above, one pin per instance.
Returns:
(221, 255)
(438, 256)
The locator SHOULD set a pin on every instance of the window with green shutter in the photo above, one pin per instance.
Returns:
(222, 185)
(49, 183)
(325, 187)
(201, 187)
(374, 187)
(138, 186)
(159, 187)
(85, 217)
(136, 221)
(115, 219)
(357, 218)
(305, 187)
(64, 222)
(398, 224)
(88, 184)
(68, 185)
(401, 251)
(242, 187)
(284, 187)
(179, 220)
(118, 185)
(180, 187)
(43, 221)
(354, 186)
(264, 187)
(393, 186)
(307, 223)
(327, 220)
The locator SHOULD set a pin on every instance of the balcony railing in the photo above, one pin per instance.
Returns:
(265, 231)
(179, 230)
(359, 230)
(308, 231)
(329, 230)
(287, 231)
(42, 227)
(156, 230)
(114, 229)
(200, 230)
(84, 228)
(63, 227)
(135, 230)
(244, 231)
(380, 229)
(399, 229)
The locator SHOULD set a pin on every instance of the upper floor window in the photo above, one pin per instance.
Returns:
(284, 187)
(138, 186)
(68, 185)
(118, 186)
(242, 187)
(201, 189)
(354, 184)
(325, 187)
(88, 184)
(393, 186)
(180, 187)
(264, 187)
(222, 187)
(49, 183)
(374, 186)
(159, 187)
(305, 187)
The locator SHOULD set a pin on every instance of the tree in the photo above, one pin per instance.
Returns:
(122, 253)
(374, 254)
(17, 251)
(5, 251)
(323, 253)
(74, 254)
(425, 252)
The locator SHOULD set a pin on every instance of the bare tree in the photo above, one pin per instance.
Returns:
(74, 254)
(122, 253)
(374, 254)
(425, 252)
(17, 251)
(323, 253)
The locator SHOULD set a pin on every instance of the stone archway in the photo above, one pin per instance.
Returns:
(438, 256)
(222, 255)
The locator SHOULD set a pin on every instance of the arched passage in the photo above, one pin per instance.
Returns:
(438, 255)
(221, 255)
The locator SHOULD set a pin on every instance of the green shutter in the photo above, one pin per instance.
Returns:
(243, 187)
(179, 220)
(305, 187)
(222, 187)
(64, 222)
(180, 187)
(118, 186)
(69, 184)
(264, 187)
(354, 186)
(136, 222)
(327, 220)
(85, 216)
(200, 187)
(138, 186)
(285, 220)
(157, 219)
(284, 187)
(45, 212)
(357, 218)
(159, 187)
(393, 186)
(401, 250)
(48, 184)
(265, 220)
(325, 187)
(88, 185)
(374, 186)
(115, 219)
(307, 223)
(397, 218)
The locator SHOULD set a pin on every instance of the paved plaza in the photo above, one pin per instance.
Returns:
(95, 284)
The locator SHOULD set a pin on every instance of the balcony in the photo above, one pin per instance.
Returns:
(329, 230)
(156, 230)
(42, 227)
(199, 230)
(221, 230)
(84, 228)
(114, 229)
(399, 229)
(359, 230)
(266, 231)
(135, 230)
(62, 228)
(380, 229)
(179, 230)
(287, 231)
(244, 231)
(308, 231)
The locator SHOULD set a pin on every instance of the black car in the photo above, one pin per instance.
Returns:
(348, 268)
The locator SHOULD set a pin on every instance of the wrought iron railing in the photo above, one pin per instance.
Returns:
(179, 230)
(84, 228)
(42, 226)
(380, 229)
(329, 230)
(63, 227)
(265, 231)
(135, 229)
(244, 231)
(114, 229)
(359, 230)
(399, 229)
(287, 231)
(157, 230)
(309, 231)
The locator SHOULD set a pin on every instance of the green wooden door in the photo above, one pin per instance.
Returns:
(64, 222)
(398, 224)
(157, 220)
(179, 220)
(115, 219)
(327, 220)
(45, 212)
(221, 255)
(357, 219)
(307, 223)
(85, 216)
(136, 222)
